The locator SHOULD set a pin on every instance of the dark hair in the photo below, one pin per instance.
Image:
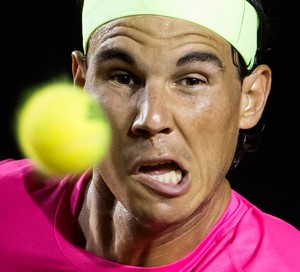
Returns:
(263, 34)
(79, 3)
(248, 140)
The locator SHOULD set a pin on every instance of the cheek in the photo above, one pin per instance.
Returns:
(213, 115)
(212, 132)
(116, 107)
(109, 173)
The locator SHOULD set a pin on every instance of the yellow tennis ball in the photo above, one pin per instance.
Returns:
(62, 129)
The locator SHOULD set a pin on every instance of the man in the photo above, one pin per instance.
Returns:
(177, 82)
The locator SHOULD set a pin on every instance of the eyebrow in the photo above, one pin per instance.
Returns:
(201, 57)
(120, 54)
(115, 53)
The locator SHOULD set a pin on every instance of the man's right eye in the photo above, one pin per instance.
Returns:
(125, 78)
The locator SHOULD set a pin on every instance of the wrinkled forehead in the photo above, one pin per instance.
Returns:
(234, 20)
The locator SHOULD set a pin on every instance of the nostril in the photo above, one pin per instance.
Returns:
(166, 130)
(141, 132)
(147, 132)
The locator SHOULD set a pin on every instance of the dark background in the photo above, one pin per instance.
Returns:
(39, 36)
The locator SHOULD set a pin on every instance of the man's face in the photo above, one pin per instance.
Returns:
(172, 95)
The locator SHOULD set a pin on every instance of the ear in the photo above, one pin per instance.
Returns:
(255, 91)
(78, 68)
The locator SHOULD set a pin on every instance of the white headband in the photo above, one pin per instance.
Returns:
(234, 20)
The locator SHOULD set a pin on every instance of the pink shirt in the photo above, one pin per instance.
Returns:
(38, 226)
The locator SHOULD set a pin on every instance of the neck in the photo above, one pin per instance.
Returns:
(113, 233)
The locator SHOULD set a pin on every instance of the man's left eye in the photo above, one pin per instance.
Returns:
(191, 81)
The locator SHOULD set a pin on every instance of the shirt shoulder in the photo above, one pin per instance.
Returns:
(29, 202)
(263, 242)
(9, 166)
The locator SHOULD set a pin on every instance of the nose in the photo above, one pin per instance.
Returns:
(153, 113)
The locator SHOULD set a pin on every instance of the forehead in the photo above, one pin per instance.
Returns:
(155, 30)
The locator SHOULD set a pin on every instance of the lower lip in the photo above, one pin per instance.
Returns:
(165, 189)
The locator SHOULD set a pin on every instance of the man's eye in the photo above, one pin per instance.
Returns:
(193, 81)
(125, 79)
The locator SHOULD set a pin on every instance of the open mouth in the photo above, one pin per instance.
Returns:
(167, 172)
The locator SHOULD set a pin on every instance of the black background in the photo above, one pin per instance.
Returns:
(39, 36)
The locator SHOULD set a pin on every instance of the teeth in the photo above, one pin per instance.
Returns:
(173, 177)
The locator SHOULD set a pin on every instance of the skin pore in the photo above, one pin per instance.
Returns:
(175, 104)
